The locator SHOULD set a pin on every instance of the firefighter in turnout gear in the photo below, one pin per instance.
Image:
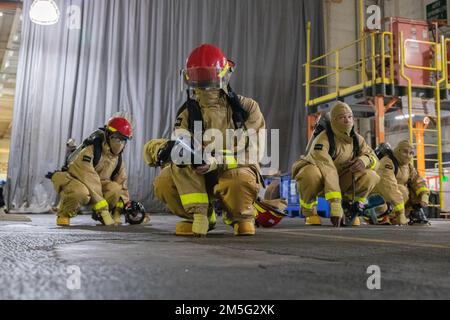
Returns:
(341, 166)
(402, 187)
(95, 174)
(189, 191)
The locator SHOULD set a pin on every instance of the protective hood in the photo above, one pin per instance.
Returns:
(341, 130)
(401, 157)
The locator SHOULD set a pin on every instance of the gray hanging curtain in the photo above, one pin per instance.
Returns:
(127, 56)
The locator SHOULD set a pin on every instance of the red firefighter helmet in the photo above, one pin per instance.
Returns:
(207, 67)
(268, 215)
(118, 124)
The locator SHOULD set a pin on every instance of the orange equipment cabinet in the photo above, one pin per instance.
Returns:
(416, 54)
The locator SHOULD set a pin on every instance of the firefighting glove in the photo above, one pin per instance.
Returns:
(157, 151)
(424, 200)
(200, 225)
(337, 213)
(105, 217)
(336, 209)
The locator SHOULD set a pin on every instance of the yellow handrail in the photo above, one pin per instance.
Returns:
(436, 48)
(339, 49)
(358, 67)
(440, 51)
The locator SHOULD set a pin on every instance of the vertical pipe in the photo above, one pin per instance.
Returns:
(308, 64)
(363, 41)
(383, 58)
(391, 60)
(338, 76)
(380, 117)
(372, 57)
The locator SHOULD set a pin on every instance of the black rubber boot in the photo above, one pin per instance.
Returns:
(418, 216)
(352, 211)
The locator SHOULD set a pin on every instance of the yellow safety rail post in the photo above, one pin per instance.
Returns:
(390, 38)
(409, 87)
(438, 115)
(447, 63)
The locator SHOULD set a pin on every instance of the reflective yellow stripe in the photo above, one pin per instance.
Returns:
(231, 162)
(362, 200)
(192, 198)
(375, 161)
(112, 129)
(100, 204)
(399, 207)
(420, 190)
(119, 205)
(308, 205)
(224, 71)
(333, 195)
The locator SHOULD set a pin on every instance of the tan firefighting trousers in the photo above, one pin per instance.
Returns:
(74, 194)
(310, 184)
(410, 199)
(186, 192)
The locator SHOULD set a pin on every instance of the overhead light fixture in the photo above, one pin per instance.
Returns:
(44, 12)
(1, 14)
(404, 117)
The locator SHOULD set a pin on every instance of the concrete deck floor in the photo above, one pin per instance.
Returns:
(291, 261)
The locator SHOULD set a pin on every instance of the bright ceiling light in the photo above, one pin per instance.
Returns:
(404, 117)
(44, 12)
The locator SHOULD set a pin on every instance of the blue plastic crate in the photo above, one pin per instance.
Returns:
(288, 190)
(293, 211)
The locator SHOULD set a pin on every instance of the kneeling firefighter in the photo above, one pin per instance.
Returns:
(192, 191)
(404, 191)
(338, 164)
(94, 174)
